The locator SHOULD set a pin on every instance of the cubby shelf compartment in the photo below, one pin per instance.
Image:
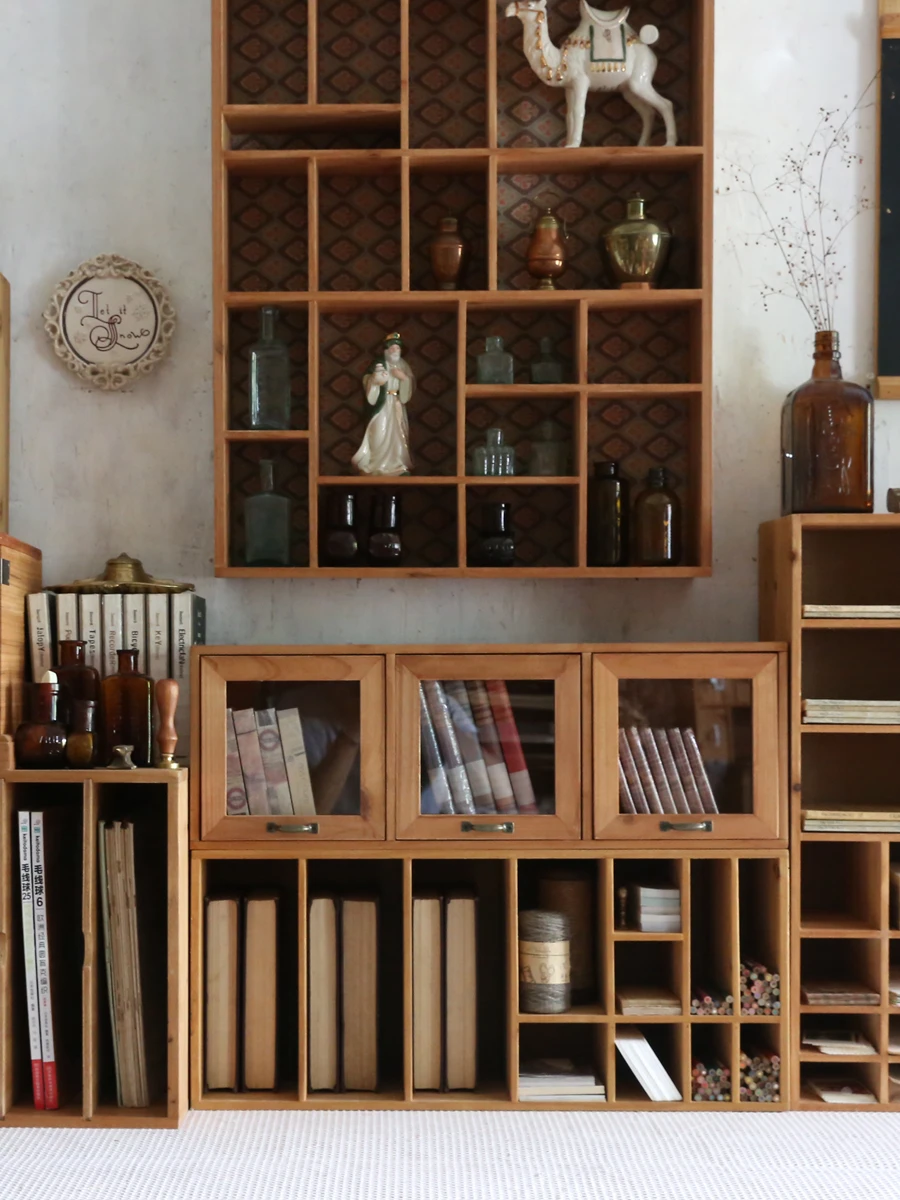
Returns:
(157, 803)
(343, 141)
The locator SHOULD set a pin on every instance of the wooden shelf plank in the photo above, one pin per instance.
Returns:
(849, 623)
(564, 160)
(816, 925)
(294, 162)
(299, 118)
(895, 729)
(603, 298)
(267, 435)
(352, 481)
(231, 572)
(578, 1014)
(521, 391)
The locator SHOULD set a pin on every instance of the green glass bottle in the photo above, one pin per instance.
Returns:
(267, 522)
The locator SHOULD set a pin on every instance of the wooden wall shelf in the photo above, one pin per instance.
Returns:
(330, 175)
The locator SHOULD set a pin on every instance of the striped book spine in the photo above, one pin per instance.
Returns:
(235, 792)
(654, 762)
(296, 762)
(679, 753)
(674, 779)
(491, 750)
(278, 790)
(626, 804)
(508, 733)
(698, 767)
(643, 769)
(251, 761)
(431, 760)
(635, 788)
(463, 803)
(470, 747)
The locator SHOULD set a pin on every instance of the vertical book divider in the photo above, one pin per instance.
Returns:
(462, 320)
(408, 968)
(302, 980)
(512, 978)
(405, 226)
(90, 976)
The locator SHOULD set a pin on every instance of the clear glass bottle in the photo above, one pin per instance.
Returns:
(81, 747)
(546, 368)
(127, 704)
(270, 376)
(77, 681)
(549, 451)
(607, 517)
(827, 439)
(267, 522)
(40, 740)
(496, 546)
(340, 546)
(496, 364)
(495, 457)
(385, 542)
(657, 523)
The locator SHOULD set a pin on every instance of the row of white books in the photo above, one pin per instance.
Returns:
(267, 769)
(662, 771)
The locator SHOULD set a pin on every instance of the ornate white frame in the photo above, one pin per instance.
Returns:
(111, 378)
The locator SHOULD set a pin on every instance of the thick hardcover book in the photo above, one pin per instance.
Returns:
(460, 790)
(441, 799)
(139, 1097)
(40, 609)
(508, 733)
(643, 770)
(680, 755)
(221, 1008)
(236, 794)
(134, 627)
(359, 993)
(630, 771)
(670, 768)
(251, 761)
(260, 1016)
(106, 924)
(157, 618)
(90, 623)
(66, 619)
(31, 979)
(698, 769)
(654, 762)
(188, 628)
(645, 1064)
(296, 762)
(43, 959)
(111, 618)
(469, 745)
(278, 790)
(492, 751)
(427, 1016)
(324, 998)
(460, 991)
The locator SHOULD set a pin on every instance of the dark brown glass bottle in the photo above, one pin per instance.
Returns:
(496, 546)
(827, 439)
(126, 710)
(657, 523)
(608, 517)
(40, 741)
(385, 543)
(77, 681)
(340, 545)
(81, 748)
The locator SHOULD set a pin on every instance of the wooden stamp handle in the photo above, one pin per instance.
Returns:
(167, 701)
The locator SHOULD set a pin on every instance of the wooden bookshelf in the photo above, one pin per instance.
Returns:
(157, 803)
(842, 923)
(330, 174)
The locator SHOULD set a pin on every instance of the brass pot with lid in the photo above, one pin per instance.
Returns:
(637, 248)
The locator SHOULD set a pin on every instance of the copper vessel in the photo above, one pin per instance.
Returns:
(636, 249)
(448, 252)
(547, 251)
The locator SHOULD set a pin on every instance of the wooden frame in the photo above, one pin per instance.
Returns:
(763, 670)
(100, 793)
(840, 902)
(307, 166)
(217, 672)
(564, 670)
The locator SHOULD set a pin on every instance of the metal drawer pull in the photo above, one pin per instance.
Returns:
(686, 826)
(273, 828)
(488, 827)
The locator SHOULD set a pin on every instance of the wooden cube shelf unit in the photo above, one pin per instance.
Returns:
(733, 908)
(343, 132)
(157, 803)
(844, 924)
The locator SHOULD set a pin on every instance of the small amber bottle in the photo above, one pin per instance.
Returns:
(81, 748)
(40, 740)
(77, 681)
(657, 523)
(126, 710)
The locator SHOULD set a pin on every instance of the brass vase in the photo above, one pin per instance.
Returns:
(448, 253)
(636, 249)
(547, 251)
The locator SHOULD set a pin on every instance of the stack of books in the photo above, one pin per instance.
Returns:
(645, 1064)
(851, 712)
(472, 748)
(445, 997)
(828, 820)
(559, 1080)
(842, 992)
(662, 771)
(343, 993)
(241, 991)
(654, 909)
(837, 1041)
(638, 1000)
(267, 767)
(871, 612)
(839, 1090)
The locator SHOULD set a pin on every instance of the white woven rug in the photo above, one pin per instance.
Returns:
(471, 1156)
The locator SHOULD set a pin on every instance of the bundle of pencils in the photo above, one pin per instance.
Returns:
(710, 1082)
(760, 990)
(760, 1077)
(710, 1002)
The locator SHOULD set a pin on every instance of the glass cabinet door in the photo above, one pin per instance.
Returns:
(687, 746)
(293, 746)
(489, 746)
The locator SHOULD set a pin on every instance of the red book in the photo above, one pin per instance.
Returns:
(501, 788)
(508, 732)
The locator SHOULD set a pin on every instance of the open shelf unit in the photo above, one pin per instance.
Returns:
(157, 804)
(734, 906)
(342, 133)
(844, 926)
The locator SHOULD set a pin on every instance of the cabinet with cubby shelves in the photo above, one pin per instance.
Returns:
(342, 135)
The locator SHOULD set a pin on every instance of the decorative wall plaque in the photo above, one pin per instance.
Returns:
(110, 321)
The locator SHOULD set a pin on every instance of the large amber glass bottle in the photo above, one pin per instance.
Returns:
(126, 710)
(827, 439)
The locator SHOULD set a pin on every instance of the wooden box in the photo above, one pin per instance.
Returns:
(20, 573)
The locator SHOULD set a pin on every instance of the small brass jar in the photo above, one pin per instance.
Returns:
(636, 249)
(547, 251)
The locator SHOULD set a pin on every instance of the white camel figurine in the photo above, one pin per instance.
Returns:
(603, 54)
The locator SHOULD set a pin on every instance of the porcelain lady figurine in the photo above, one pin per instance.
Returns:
(388, 386)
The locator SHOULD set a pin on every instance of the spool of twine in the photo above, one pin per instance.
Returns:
(544, 967)
(571, 892)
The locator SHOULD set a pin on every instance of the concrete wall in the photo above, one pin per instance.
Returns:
(104, 146)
